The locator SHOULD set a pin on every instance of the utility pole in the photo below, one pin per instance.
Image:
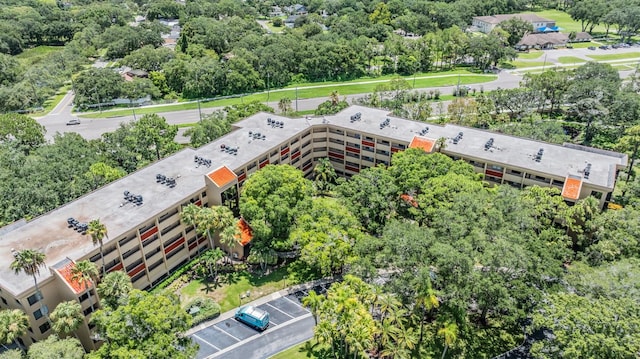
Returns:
(268, 88)
(296, 98)
(134, 113)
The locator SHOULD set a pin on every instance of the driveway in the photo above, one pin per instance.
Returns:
(290, 324)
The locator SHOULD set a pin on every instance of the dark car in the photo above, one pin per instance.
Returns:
(604, 47)
(73, 121)
(591, 47)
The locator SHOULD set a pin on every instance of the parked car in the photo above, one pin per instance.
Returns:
(253, 317)
(569, 46)
(604, 47)
(591, 47)
(73, 121)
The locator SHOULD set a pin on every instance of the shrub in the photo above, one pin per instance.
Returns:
(209, 309)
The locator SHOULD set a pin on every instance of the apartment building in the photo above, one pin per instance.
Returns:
(141, 211)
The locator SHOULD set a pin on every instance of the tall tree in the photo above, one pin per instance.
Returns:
(324, 175)
(84, 272)
(114, 289)
(155, 326)
(66, 317)
(13, 325)
(630, 143)
(30, 261)
(449, 332)
(98, 232)
(56, 348)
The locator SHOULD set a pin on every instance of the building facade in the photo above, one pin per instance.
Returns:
(141, 211)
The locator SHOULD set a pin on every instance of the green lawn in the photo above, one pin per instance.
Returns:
(315, 91)
(35, 54)
(621, 56)
(230, 286)
(530, 55)
(570, 60)
(564, 21)
(524, 64)
(307, 350)
(275, 30)
(584, 45)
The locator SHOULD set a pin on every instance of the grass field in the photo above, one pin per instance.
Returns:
(275, 30)
(231, 285)
(316, 91)
(524, 64)
(620, 56)
(35, 54)
(570, 60)
(584, 45)
(530, 55)
(307, 350)
(564, 21)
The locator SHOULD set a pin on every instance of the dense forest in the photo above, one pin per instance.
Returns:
(435, 261)
(222, 50)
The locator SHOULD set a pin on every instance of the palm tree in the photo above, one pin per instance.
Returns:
(284, 105)
(13, 325)
(84, 272)
(426, 300)
(313, 301)
(29, 261)
(450, 333)
(441, 143)
(189, 216)
(210, 259)
(324, 174)
(205, 220)
(115, 288)
(98, 231)
(334, 97)
(225, 223)
(67, 317)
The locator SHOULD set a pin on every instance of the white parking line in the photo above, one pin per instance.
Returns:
(237, 339)
(298, 304)
(290, 316)
(206, 342)
(236, 345)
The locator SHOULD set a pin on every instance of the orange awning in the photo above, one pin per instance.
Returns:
(222, 176)
(246, 233)
(572, 187)
(424, 143)
(65, 273)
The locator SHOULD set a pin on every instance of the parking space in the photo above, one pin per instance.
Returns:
(216, 339)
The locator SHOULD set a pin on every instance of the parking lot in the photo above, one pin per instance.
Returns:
(229, 338)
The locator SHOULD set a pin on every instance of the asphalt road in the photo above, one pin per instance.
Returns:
(56, 120)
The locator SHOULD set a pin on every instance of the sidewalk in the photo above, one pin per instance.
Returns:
(262, 300)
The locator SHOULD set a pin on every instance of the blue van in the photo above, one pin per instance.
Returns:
(253, 317)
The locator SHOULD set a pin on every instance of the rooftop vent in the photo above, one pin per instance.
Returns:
(457, 138)
(538, 156)
(77, 225)
(135, 199)
(587, 171)
(385, 123)
(169, 181)
(229, 149)
(424, 131)
(257, 135)
(356, 117)
(489, 144)
(201, 161)
(274, 123)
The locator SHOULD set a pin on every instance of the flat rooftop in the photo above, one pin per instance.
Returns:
(51, 234)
